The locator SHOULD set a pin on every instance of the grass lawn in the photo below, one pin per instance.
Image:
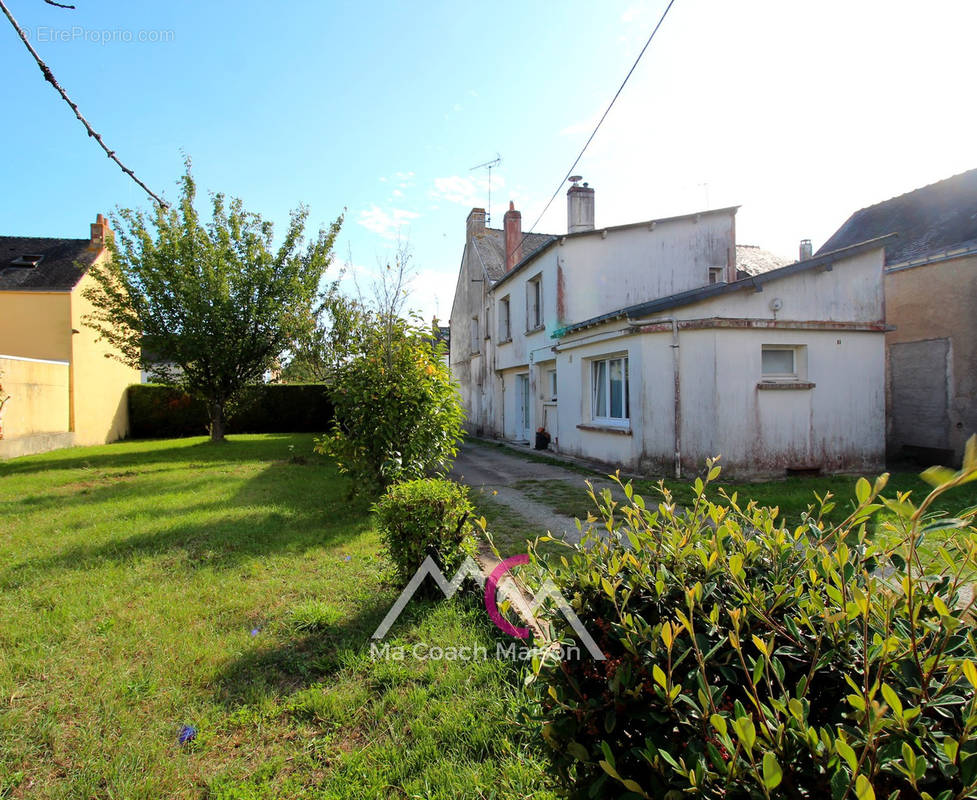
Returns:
(145, 586)
(791, 495)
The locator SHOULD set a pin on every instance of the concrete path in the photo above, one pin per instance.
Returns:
(488, 468)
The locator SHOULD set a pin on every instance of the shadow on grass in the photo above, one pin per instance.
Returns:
(143, 452)
(285, 508)
(312, 657)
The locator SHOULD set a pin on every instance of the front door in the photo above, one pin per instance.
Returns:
(522, 407)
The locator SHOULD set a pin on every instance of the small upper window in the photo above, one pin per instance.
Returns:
(28, 260)
(475, 342)
(716, 274)
(505, 320)
(534, 304)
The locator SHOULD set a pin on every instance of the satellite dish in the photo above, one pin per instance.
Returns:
(575, 179)
(776, 304)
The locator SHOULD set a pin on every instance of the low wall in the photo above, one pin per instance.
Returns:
(39, 393)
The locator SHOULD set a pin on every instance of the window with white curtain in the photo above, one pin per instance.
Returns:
(609, 390)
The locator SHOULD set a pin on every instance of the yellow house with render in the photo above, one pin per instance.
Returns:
(64, 388)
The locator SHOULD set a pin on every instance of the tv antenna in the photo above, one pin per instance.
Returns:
(488, 165)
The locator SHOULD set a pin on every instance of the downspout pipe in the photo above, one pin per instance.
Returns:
(677, 397)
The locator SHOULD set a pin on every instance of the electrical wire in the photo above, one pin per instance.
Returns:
(597, 128)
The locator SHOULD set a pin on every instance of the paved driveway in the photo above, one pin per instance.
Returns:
(488, 468)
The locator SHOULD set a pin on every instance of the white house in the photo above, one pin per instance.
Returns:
(645, 346)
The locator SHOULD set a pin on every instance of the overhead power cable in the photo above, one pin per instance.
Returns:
(600, 122)
(49, 77)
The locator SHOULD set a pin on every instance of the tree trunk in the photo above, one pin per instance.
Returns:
(216, 420)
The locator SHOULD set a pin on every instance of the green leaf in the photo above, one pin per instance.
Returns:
(970, 672)
(890, 697)
(863, 789)
(937, 476)
(746, 732)
(772, 773)
(659, 675)
(609, 770)
(863, 490)
(719, 723)
(845, 751)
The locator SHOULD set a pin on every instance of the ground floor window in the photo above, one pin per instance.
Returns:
(782, 362)
(610, 401)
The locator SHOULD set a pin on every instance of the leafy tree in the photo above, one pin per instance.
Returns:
(334, 335)
(214, 301)
(398, 415)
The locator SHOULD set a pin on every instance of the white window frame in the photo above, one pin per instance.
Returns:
(505, 320)
(552, 384)
(717, 275)
(798, 360)
(608, 419)
(534, 303)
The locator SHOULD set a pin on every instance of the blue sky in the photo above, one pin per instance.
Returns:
(800, 112)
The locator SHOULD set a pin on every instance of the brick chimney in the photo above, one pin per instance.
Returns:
(512, 222)
(101, 232)
(476, 224)
(580, 207)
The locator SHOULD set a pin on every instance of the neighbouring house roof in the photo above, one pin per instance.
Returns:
(549, 240)
(692, 296)
(927, 220)
(490, 249)
(63, 263)
(753, 260)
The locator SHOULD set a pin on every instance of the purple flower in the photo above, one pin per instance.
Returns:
(347, 558)
(187, 734)
(255, 631)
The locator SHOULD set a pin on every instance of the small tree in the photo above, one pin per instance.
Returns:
(332, 337)
(215, 301)
(398, 415)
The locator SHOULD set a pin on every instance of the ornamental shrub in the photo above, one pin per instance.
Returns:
(429, 516)
(398, 415)
(749, 659)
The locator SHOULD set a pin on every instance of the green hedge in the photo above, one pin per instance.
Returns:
(157, 411)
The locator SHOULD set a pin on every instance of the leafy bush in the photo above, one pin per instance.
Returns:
(157, 411)
(398, 414)
(745, 659)
(422, 517)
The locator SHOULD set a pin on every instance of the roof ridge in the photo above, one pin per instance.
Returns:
(913, 191)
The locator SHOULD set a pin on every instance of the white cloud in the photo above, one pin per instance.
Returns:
(386, 223)
(464, 191)
(397, 193)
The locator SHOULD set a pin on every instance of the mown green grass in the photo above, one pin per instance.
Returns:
(149, 585)
(792, 496)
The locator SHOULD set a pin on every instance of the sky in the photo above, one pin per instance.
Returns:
(798, 112)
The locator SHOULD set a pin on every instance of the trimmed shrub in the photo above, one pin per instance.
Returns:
(157, 411)
(746, 659)
(429, 516)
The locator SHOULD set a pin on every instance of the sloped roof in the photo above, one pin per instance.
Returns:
(693, 296)
(57, 270)
(927, 220)
(755, 260)
(490, 248)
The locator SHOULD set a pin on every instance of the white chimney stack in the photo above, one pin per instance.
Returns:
(580, 207)
(806, 250)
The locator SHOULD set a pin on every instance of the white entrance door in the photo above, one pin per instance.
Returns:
(522, 407)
